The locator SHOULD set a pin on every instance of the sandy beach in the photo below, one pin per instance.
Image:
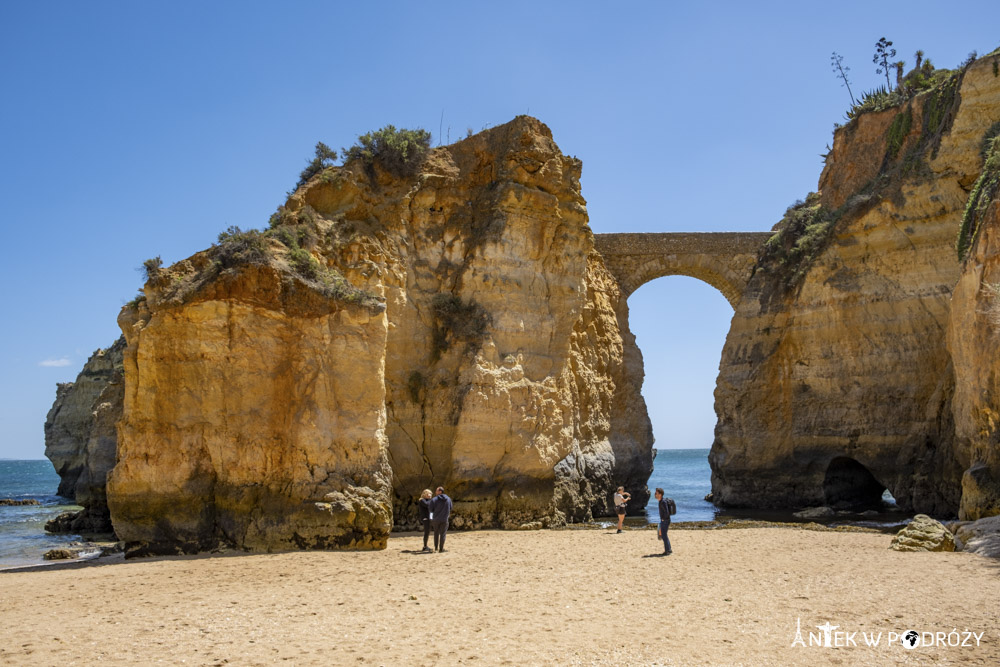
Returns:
(521, 598)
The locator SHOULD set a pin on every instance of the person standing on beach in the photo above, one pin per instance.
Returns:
(667, 507)
(440, 511)
(621, 497)
(424, 514)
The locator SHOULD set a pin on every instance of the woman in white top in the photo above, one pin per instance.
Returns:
(621, 497)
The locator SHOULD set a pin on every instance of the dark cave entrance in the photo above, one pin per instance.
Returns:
(850, 485)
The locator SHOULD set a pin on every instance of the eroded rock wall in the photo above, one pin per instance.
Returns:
(504, 347)
(264, 411)
(81, 439)
(253, 418)
(974, 344)
(849, 369)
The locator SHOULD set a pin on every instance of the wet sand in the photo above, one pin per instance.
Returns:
(520, 598)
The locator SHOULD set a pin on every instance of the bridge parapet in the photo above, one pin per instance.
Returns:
(724, 260)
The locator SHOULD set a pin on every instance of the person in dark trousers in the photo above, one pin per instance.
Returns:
(440, 511)
(667, 508)
(424, 514)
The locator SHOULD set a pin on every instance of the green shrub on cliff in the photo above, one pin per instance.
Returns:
(400, 152)
(801, 236)
(151, 268)
(921, 78)
(237, 247)
(798, 236)
(900, 127)
(986, 189)
(324, 157)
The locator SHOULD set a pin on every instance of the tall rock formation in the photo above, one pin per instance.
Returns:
(253, 411)
(298, 388)
(81, 439)
(504, 347)
(836, 382)
(974, 344)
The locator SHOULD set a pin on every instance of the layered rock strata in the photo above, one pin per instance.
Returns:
(81, 439)
(511, 376)
(269, 406)
(836, 381)
(252, 417)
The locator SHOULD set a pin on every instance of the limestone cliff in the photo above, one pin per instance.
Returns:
(81, 441)
(299, 387)
(974, 343)
(504, 347)
(253, 413)
(836, 381)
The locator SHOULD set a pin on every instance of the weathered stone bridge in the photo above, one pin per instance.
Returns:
(724, 260)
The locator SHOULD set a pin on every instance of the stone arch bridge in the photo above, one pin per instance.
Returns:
(724, 260)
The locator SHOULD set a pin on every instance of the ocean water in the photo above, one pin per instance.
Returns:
(685, 476)
(23, 539)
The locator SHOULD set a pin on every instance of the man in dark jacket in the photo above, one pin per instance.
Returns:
(666, 509)
(440, 511)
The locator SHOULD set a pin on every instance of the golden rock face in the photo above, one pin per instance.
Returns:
(974, 343)
(263, 413)
(857, 362)
(241, 421)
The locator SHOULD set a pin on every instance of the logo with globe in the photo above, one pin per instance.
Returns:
(910, 639)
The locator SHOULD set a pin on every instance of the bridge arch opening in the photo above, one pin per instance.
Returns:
(680, 324)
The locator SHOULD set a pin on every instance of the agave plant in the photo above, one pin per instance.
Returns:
(877, 99)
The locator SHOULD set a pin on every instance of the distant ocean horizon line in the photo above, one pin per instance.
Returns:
(681, 449)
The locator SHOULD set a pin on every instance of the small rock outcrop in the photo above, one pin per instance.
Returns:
(815, 513)
(923, 534)
(980, 537)
(13, 502)
(81, 439)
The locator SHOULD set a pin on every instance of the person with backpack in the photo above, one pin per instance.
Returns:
(667, 508)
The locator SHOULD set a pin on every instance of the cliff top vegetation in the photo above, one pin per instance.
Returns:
(926, 100)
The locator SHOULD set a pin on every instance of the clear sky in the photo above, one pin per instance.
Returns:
(129, 130)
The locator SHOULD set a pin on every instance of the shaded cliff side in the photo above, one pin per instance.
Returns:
(454, 326)
(974, 344)
(836, 381)
(81, 439)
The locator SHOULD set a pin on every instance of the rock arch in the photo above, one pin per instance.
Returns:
(724, 260)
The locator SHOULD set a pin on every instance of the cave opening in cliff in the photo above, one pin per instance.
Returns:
(850, 485)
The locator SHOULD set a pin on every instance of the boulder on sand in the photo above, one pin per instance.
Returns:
(923, 534)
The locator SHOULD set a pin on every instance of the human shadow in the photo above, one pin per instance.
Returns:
(415, 552)
(660, 555)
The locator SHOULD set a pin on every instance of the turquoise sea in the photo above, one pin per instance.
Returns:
(23, 539)
(685, 476)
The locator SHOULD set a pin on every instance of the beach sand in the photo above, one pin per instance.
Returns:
(521, 598)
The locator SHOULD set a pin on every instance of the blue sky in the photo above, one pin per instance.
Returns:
(129, 130)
